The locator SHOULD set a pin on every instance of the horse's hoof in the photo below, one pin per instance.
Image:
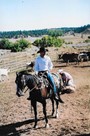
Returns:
(47, 126)
(52, 114)
(35, 127)
(57, 116)
(61, 101)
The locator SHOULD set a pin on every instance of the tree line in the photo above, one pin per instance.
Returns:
(36, 33)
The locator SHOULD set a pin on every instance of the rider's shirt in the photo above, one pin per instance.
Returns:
(43, 64)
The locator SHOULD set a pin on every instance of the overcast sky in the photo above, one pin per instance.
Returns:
(41, 14)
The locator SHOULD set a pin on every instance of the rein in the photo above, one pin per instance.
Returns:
(39, 82)
(27, 87)
(26, 90)
(30, 89)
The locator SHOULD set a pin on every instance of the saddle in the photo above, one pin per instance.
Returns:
(41, 81)
(43, 84)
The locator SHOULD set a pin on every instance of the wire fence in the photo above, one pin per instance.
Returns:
(15, 61)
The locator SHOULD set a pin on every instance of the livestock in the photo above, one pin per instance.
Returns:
(70, 57)
(3, 72)
(88, 53)
(37, 93)
(83, 57)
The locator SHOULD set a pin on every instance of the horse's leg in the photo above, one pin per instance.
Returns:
(35, 113)
(52, 100)
(45, 114)
(56, 109)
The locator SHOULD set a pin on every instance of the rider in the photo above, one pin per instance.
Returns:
(67, 80)
(43, 64)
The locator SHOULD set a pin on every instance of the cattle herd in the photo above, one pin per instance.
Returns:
(74, 57)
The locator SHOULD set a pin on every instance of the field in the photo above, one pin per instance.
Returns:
(16, 118)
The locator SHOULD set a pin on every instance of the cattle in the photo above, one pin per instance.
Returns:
(83, 57)
(3, 73)
(88, 54)
(69, 57)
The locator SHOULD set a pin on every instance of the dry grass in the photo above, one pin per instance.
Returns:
(74, 115)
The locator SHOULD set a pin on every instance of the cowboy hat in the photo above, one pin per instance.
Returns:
(42, 49)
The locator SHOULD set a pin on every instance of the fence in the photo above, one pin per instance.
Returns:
(15, 61)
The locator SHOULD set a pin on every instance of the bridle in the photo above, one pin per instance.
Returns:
(24, 84)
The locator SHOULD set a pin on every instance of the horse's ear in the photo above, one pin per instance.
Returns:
(17, 73)
(23, 76)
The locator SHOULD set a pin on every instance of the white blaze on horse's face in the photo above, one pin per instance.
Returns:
(19, 92)
(20, 81)
(23, 80)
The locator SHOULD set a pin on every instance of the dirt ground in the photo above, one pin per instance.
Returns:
(16, 118)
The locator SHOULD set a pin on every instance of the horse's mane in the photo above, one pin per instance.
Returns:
(24, 72)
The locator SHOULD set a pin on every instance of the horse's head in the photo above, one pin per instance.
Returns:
(20, 83)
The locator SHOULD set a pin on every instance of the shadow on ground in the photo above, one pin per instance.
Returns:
(10, 129)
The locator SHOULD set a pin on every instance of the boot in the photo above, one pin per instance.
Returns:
(56, 97)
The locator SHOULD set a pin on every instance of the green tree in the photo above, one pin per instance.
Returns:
(23, 43)
(20, 45)
(14, 47)
(5, 44)
(55, 32)
(49, 41)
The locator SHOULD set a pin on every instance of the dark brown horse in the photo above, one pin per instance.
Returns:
(38, 93)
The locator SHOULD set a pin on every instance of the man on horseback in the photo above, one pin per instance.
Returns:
(43, 64)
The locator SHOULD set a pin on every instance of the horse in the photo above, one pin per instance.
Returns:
(38, 93)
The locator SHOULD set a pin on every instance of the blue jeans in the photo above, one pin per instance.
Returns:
(51, 80)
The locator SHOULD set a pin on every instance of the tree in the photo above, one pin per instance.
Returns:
(55, 32)
(19, 45)
(5, 44)
(48, 41)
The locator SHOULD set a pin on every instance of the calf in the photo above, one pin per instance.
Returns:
(3, 72)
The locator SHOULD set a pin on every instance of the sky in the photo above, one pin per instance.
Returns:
(43, 14)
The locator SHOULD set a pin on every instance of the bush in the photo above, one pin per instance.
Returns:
(87, 41)
(88, 37)
(48, 41)
(23, 43)
(14, 47)
(5, 44)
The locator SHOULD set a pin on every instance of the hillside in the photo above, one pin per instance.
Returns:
(37, 33)
(86, 31)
